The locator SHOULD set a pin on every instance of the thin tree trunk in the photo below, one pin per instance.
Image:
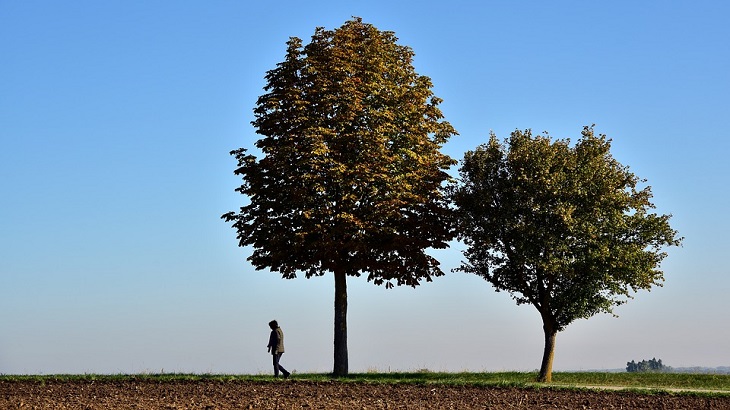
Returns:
(340, 367)
(546, 369)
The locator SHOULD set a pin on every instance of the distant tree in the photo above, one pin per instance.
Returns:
(632, 367)
(560, 227)
(352, 178)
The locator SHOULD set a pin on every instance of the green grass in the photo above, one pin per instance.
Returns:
(646, 380)
(633, 381)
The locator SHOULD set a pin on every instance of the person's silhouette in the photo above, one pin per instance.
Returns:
(276, 348)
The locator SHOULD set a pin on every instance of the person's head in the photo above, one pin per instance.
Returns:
(273, 324)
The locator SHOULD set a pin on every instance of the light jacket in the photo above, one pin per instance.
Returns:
(276, 341)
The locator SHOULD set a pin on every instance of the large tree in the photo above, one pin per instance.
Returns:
(562, 227)
(351, 179)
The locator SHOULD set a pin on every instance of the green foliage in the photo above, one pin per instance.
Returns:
(351, 177)
(563, 228)
(652, 365)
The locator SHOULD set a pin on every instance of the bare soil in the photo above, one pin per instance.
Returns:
(297, 394)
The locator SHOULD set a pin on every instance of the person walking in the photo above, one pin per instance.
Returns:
(276, 348)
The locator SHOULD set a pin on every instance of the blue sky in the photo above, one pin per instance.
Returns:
(116, 119)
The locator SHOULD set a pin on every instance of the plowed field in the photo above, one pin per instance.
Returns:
(296, 394)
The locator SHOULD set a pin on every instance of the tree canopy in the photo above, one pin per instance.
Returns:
(562, 227)
(351, 179)
(645, 366)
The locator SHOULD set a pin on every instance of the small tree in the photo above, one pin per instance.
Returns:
(351, 176)
(632, 367)
(563, 228)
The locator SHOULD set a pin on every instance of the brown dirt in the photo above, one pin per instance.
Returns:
(294, 394)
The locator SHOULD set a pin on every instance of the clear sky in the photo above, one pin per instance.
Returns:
(116, 119)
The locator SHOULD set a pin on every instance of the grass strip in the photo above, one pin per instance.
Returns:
(578, 380)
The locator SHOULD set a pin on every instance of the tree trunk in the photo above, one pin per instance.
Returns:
(340, 368)
(546, 369)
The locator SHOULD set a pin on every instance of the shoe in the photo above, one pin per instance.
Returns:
(286, 375)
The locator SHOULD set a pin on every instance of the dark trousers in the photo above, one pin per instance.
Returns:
(277, 366)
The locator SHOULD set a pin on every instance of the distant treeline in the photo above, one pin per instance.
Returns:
(655, 365)
(652, 365)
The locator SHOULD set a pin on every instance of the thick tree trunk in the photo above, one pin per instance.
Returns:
(546, 369)
(340, 368)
